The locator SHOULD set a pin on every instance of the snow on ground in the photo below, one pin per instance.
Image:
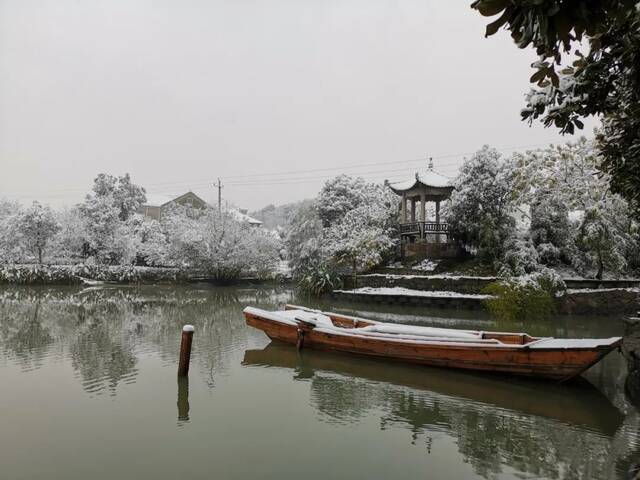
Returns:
(413, 293)
(426, 265)
(396, 265)
(395, 276)
(602, 290)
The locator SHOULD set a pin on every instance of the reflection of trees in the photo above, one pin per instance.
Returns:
(105, 328)
(487, 437)
(23, 334)
(100, 353)
(494, 422)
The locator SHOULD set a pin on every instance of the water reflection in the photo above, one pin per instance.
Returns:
(104, 331)
(183, 400)
(541, 429)
(123, 343)
(24, 335)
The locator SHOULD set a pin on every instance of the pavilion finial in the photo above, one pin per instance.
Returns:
(431, 164)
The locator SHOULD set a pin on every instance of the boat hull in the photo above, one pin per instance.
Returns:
(558, 364)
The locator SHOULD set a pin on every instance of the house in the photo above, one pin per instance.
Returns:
(156, 204)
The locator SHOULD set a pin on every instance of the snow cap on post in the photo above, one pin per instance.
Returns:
(188, 328)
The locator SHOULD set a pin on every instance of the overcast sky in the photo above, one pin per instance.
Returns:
(178, 93)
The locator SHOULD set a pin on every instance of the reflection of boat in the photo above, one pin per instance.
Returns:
(577, 404)
(512, 353)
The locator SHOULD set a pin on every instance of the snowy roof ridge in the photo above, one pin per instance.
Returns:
(430, 178)
(243, 217)
(161, 199)
(158, 199)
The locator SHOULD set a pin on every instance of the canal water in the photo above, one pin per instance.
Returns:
(88, 389)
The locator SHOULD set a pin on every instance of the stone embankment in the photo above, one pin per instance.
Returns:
(457, 291)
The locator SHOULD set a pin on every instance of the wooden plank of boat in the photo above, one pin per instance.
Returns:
(503, 352)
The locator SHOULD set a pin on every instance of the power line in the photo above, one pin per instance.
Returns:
(255, 179)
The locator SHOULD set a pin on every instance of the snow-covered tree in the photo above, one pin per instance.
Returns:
(67, 246)
(571, 84)
(10, 248)
(36, 226)
(350, 224)
(361, 239)
(480, 208)
(343, 194)
(562, 179)
(550, 230)
(218, 244)
(109, 240)
(568, 172)
(126, 196)
(602, 238)
(150, 240)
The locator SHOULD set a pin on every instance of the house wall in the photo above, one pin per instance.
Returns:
(151, 212)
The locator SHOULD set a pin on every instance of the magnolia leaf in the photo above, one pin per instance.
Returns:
(493, 27)
(538, 76)
(489, 8)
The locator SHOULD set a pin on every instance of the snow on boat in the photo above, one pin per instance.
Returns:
(501, 352)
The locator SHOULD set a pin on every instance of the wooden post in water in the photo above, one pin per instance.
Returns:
(185, 350)
(183, 399)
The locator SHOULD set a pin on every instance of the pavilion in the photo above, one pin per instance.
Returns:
(419, 234)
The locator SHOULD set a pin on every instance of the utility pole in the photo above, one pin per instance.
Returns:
(219, 187)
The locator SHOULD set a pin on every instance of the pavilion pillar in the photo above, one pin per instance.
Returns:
(413, 210)
(403, 209)
(438, 220)
(423, 214)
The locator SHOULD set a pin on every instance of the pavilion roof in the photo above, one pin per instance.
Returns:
(428, 178)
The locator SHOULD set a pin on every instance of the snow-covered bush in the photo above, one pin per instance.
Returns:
(480, 209)
(36, 274)
(525, 297)
(520, 258)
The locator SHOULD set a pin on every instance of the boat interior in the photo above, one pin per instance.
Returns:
(378, 329)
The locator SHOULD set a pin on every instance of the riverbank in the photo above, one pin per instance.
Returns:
(582, 297)
(120, 274)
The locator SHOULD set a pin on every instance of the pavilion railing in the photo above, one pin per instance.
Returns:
(423, 228)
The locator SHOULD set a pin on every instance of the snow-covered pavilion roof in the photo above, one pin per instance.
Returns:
(427, 178)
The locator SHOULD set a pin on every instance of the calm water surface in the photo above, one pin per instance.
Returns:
(88, 389)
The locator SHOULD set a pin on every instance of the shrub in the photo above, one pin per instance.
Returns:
(526, 297)
(520, 258)
(319, 278)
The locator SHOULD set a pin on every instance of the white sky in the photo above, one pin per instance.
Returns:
(178, 93)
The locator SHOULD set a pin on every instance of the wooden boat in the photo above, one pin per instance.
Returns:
(500, 352)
